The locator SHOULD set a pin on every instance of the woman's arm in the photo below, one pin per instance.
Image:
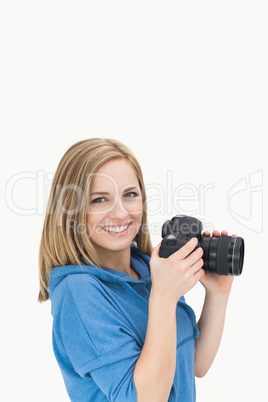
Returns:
(212, 318)
(210, 326)
(155, 368)
(171, 278)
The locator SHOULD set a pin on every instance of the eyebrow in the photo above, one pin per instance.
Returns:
(127, 189)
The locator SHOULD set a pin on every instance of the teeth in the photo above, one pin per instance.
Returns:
(115, 230)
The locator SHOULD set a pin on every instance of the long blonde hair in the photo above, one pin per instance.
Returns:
(60, 243)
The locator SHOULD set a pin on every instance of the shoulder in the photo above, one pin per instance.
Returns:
(77, 291)
(74, 282)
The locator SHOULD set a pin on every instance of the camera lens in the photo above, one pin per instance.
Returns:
(223, 255)
(237, 253)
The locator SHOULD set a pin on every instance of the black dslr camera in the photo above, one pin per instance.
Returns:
(223, 255)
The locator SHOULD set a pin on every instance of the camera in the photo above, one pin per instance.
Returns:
(222, 255)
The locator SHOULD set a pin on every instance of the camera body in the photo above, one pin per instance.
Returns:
(223, 255)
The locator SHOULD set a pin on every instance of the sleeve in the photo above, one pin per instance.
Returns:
(98, 341)
(182, 299)
(191, 315)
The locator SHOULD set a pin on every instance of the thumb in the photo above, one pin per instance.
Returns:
(156, 249)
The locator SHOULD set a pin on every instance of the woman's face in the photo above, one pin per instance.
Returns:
(115, 206)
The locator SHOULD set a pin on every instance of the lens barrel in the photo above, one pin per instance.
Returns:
(223, 255)
(238, 248)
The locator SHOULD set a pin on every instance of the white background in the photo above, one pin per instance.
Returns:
(184, 85)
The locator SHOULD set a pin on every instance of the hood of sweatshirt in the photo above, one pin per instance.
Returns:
(139, 261)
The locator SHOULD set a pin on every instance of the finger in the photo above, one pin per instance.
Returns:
(234, 235)
(185, 250)
(194, 256)
(206, 233)
(216, 233)
(196, 266)
(199, 274)
(224, 233)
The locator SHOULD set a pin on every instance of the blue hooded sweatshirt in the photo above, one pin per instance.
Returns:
(99, 325)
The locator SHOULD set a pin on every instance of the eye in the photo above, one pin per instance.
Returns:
(96, 201)
(131, 192)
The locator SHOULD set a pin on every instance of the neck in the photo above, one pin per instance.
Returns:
(118, 260)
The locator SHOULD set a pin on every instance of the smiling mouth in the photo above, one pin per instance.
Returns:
(116, 229)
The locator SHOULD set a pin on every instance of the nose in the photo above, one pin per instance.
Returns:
(118, 211)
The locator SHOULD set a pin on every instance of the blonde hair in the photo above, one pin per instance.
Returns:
(60, 243)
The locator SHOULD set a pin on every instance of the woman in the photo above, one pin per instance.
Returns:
(122, 330)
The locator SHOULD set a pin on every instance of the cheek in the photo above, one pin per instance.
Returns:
(135, 208)
(93, 221)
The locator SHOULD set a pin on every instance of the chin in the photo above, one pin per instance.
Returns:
(114, 245)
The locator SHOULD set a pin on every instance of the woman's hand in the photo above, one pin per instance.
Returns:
(174, 276)
(214, 283)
